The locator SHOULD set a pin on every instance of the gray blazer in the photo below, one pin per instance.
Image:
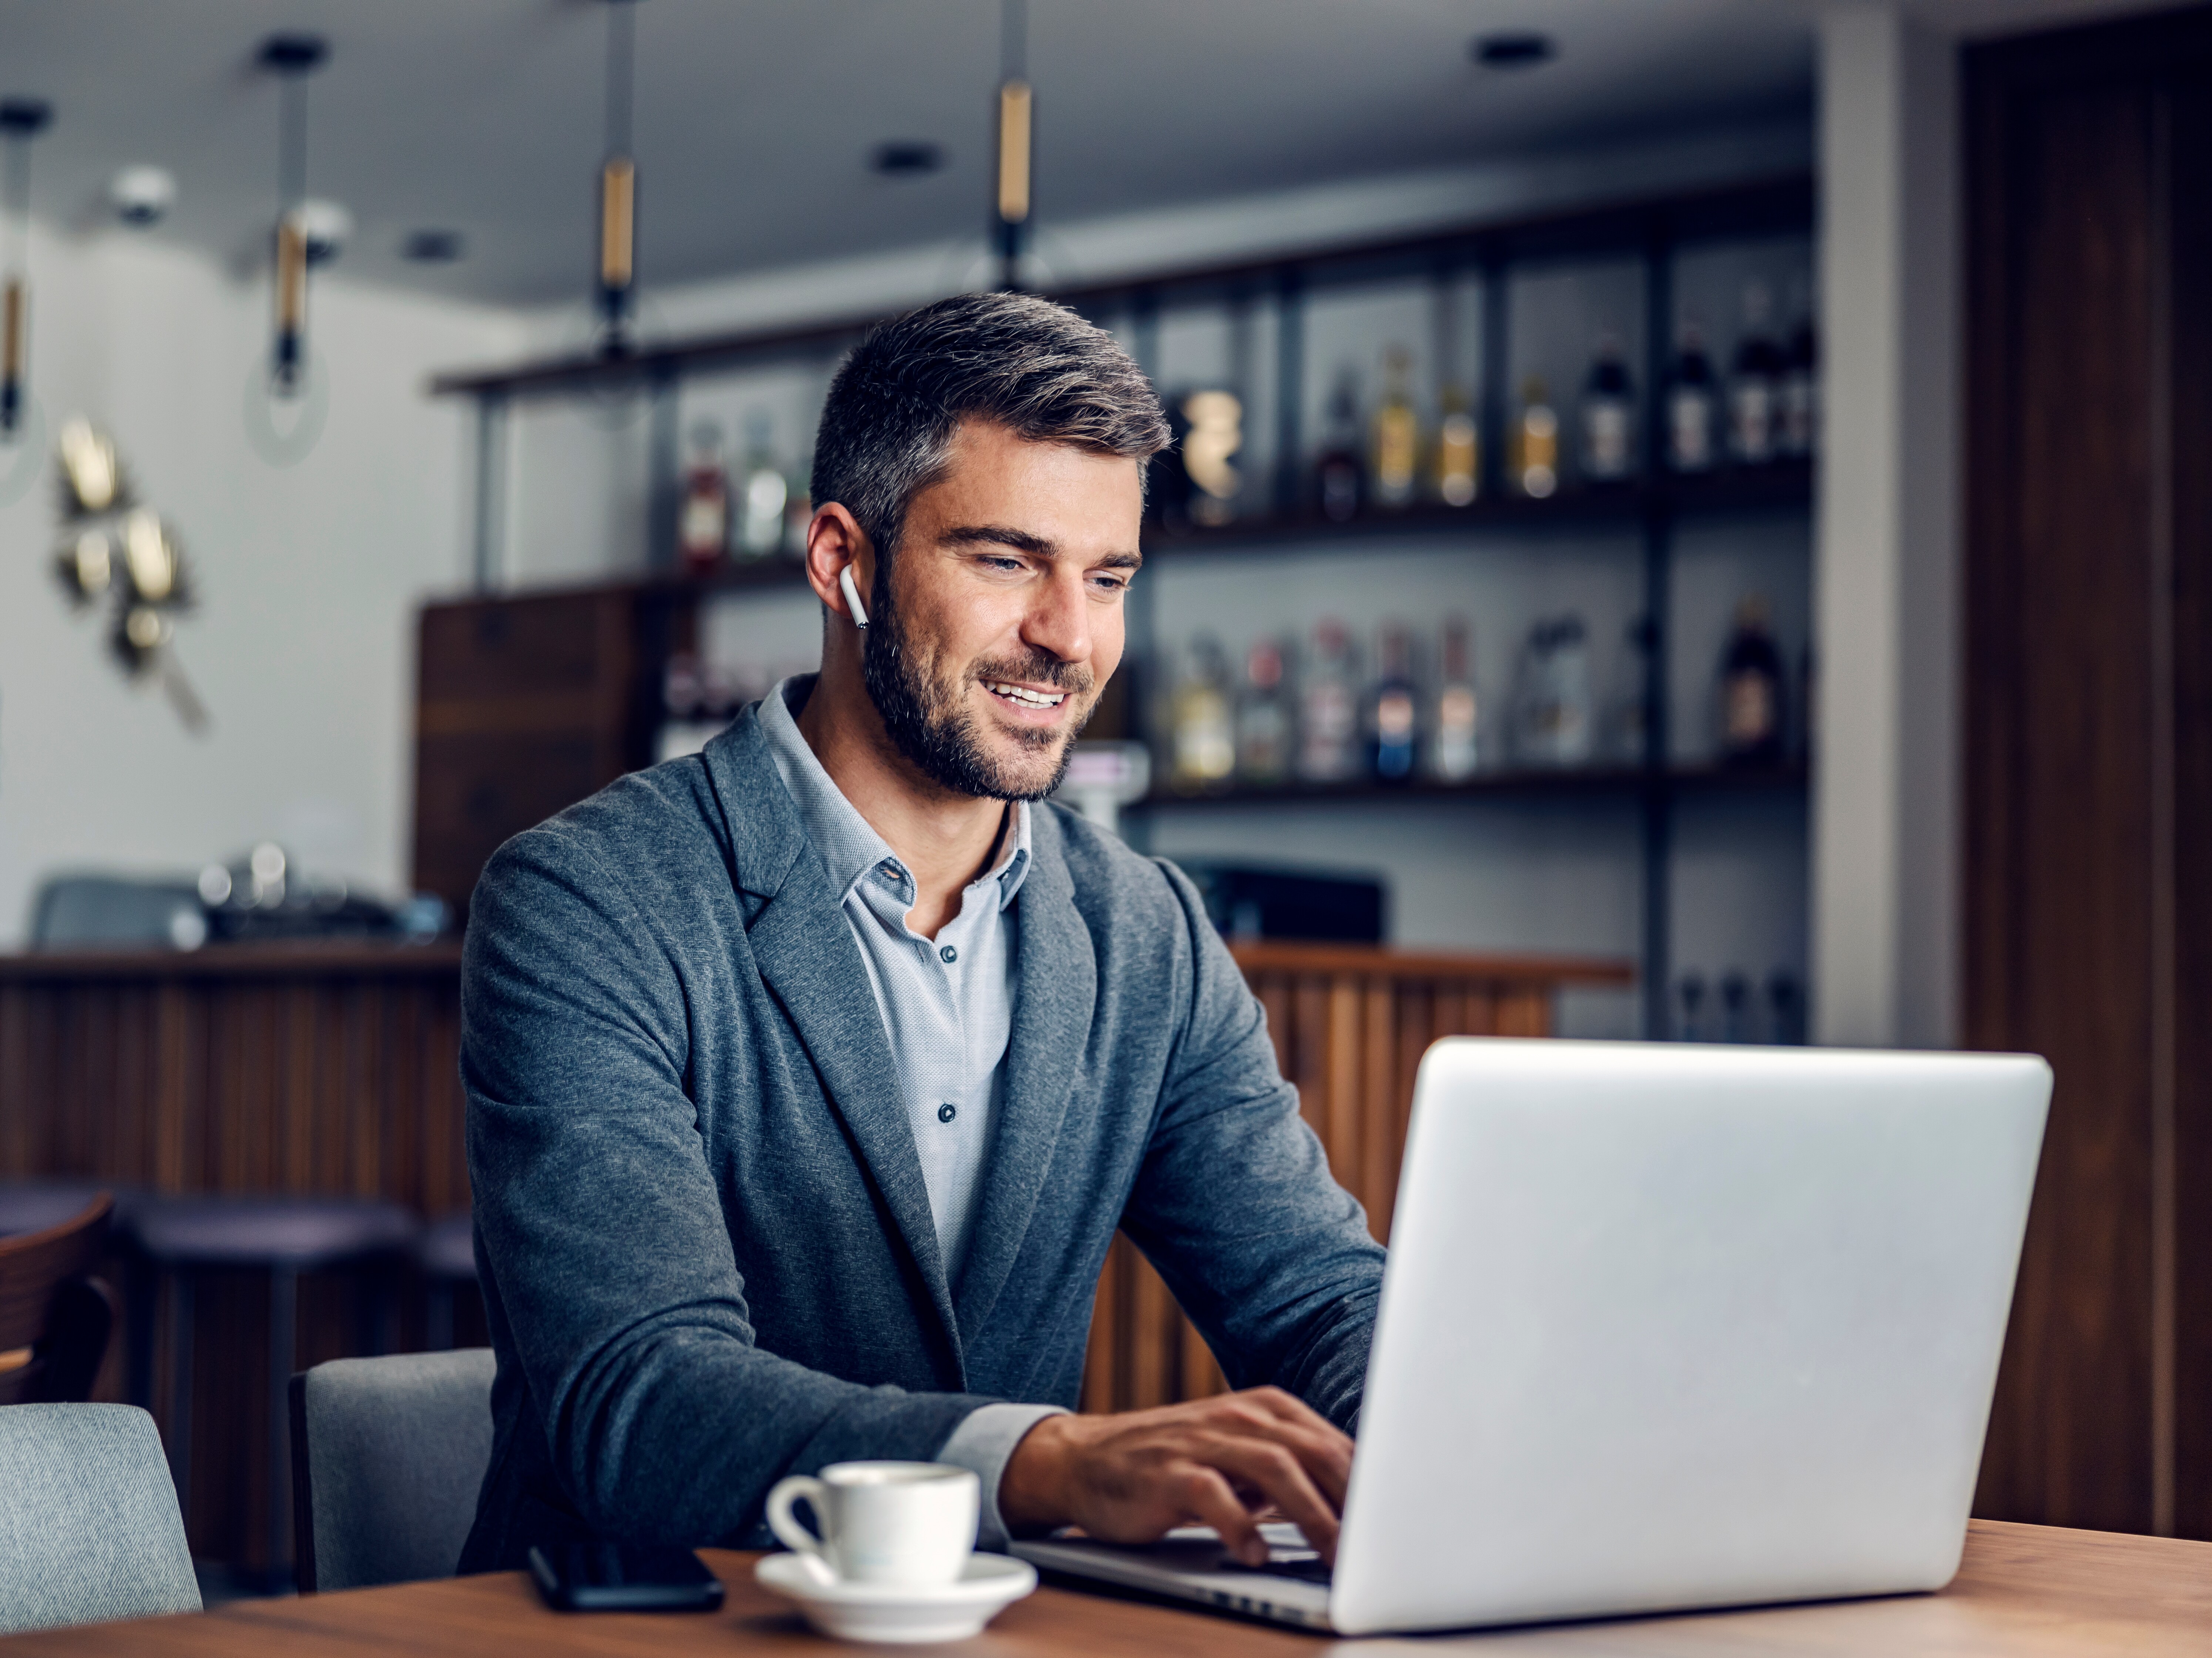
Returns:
(705, 1247)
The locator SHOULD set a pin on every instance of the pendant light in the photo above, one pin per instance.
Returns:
(293, 58)
(1015, 109)
(617, 272)
(22, 119)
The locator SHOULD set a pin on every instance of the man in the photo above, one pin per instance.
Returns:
(810, 1077)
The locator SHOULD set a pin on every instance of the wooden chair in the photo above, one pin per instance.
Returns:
(55, 1316)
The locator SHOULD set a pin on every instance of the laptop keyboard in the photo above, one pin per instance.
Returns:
(1303, 1564)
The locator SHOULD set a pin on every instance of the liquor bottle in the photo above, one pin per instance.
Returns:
(1552, 710)
(1751, 697)
(798, 513)
(1692, 406)
(1215, 434)
(1459, 450)
(1396, 434)
(1329, 714)
(1393, 710)
(1455, 736)
(1341, 476)
(1785, 1007)
(1628, 719)
(1736, 1006)
(702, 526)
(1608, 416)
(1204, 753)
(760, 520)
(1799, 432)
(1266, 727)
(1535, 443)
(1692, 990)
(1755, 383)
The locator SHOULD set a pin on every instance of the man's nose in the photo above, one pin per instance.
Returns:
(1059, 621)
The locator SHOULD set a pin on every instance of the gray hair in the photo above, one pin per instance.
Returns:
(1013, 360)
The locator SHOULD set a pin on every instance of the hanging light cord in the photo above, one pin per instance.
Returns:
(292, 143)
(1015, 110)
(622, 57)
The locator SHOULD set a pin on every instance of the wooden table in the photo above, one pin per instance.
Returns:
(2024, 1591)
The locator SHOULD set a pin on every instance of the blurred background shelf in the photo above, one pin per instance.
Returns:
(1626, 781)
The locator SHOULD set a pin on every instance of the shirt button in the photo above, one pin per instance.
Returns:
(948, 956)
(946, 1113)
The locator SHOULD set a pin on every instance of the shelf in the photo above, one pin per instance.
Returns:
(1625, 780)
(1784, 486)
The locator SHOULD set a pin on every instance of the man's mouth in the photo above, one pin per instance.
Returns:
(1022, 697)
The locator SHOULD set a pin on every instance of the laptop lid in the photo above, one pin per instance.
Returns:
(1673, 1325)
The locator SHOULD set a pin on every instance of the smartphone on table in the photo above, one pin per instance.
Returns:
(622, 1578)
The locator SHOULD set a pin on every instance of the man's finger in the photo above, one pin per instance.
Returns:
(1206, 1498)
(1278, 1475)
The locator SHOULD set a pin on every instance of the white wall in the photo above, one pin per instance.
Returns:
(302, 647)
(1886, 813)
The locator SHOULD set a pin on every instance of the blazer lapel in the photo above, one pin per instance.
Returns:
(803, 948)
(1056, 991)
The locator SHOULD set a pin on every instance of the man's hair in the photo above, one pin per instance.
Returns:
(1013, 360)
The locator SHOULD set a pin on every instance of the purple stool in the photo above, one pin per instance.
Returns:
(283, 1237)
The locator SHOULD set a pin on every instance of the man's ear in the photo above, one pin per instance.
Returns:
(837, 550)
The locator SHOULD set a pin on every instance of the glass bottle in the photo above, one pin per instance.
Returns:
(1536, 443)
(1608, 416)
(1455, 740)
(1203, 756)
(1328, 712)
(1264, 724)
(1216, 434)
(1692, 406)
(702, 524)
(1395, 433)
(1552, 706)
(1799, 416)
(1751, 692)
(1755, 383)
(1458, 450)
(1340, 475)
(760, 520)
(1393, 710)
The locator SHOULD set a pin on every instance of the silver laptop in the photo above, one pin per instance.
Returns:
(1664, 1326)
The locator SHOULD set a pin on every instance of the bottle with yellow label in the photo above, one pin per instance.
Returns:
(1536, 443)
(1396, 434)
(1458, 456)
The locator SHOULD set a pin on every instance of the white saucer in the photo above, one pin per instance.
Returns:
(986, 1585)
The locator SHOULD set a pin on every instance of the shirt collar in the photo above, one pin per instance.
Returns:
(849, 845)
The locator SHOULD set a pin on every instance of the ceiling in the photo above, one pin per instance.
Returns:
(755, 120)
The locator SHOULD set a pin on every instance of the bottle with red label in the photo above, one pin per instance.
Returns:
(1752, 728)
(702, 524)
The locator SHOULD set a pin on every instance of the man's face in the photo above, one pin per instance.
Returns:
(1004, 617)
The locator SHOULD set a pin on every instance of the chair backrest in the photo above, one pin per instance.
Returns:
(88, 1524)
(387, 1457)
(54, 1316)
(81, 911)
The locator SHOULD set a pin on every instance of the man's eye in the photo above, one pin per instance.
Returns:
(1002, 563)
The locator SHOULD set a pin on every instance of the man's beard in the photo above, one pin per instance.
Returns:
(929, 719)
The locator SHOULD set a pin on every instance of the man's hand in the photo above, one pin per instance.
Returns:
(1220, 1462)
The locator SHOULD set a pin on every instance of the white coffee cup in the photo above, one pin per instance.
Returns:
(907, 1523)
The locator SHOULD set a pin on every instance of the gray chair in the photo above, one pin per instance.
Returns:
(387, 1457)
(90, 1529)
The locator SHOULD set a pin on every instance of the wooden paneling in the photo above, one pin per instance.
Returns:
(2089, 897)
(291, 1069)
(1350, 1026)
(525, 706)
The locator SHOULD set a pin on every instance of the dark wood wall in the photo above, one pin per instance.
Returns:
(2088, 846)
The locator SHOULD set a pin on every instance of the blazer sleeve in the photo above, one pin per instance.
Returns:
(1235, 1205)
(602, 1228)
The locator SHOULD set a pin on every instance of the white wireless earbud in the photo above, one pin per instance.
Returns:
(852, 596)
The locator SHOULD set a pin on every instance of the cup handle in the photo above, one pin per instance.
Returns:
(785, 1524)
